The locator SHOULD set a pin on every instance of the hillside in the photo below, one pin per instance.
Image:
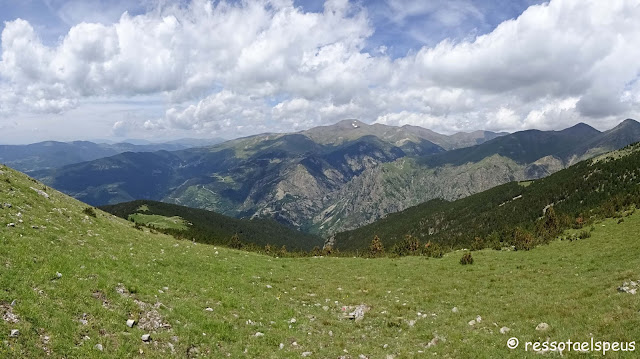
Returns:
(272, 307)
(600, 186)
(210, 227)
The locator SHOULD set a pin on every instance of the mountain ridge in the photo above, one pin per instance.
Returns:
(344, 183)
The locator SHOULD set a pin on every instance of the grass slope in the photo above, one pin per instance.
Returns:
(569, 285)
(213, 228)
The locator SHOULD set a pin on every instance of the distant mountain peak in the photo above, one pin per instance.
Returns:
(580, 129)
(350, 123)
(628, 122)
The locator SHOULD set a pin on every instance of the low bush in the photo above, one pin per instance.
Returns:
(89, 211)
(466, 259)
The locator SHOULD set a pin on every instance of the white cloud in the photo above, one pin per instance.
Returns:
(236, 68)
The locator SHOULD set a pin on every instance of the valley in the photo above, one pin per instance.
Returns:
(322, 183)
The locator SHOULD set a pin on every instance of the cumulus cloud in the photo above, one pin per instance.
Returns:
(239, 67)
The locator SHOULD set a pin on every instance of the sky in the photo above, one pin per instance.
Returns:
(163, 69)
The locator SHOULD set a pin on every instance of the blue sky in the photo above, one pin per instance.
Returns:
(80, 69)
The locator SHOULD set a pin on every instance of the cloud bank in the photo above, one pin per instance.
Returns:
(236, 68)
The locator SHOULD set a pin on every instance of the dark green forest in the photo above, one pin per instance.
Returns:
(213, 228)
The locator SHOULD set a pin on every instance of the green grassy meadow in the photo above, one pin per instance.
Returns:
(160, 222)
(111, 272)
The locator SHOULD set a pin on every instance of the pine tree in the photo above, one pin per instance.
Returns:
(376, 248)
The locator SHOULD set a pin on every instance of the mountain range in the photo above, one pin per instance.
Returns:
(53, 154)
(334, 178)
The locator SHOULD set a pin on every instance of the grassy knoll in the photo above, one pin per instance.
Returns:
(160, 222)
(111, 272)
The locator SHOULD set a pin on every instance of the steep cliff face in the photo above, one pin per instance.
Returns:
(395, 186)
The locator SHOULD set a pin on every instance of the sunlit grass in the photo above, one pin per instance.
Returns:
(569, 285)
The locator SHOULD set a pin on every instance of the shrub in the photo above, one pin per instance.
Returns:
(493, 241)
(328, 250)
(477, 244)
(433, 250)
(620, 220)
(235, 242)
(549, 227)
(282, 252)
(584, 234)
(316, 251)
(466, 259)
(89, 211)
(376, 248)
(523, 240)
(408, 246)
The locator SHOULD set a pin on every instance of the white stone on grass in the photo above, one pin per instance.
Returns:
(542, 327)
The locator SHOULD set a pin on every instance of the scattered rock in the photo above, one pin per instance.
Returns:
(478, 319)
(293, 320)
(152, 320)
(98, 347)
(11, 225)
(14, 333)
(281, 346)
(40, 192)
(436, 339)
(146, 338)
(131, 323)
(269, 286)
(7, 313)
(209, 309)
(472, 322)
(543, 327)
(84, 320)
(58, 275)
(122, 290)
(306, 354)
(258, 334)
(192, 352)
(454, 309)
(504, 330)
(356, 313)
(7, 205)
(629, 287)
